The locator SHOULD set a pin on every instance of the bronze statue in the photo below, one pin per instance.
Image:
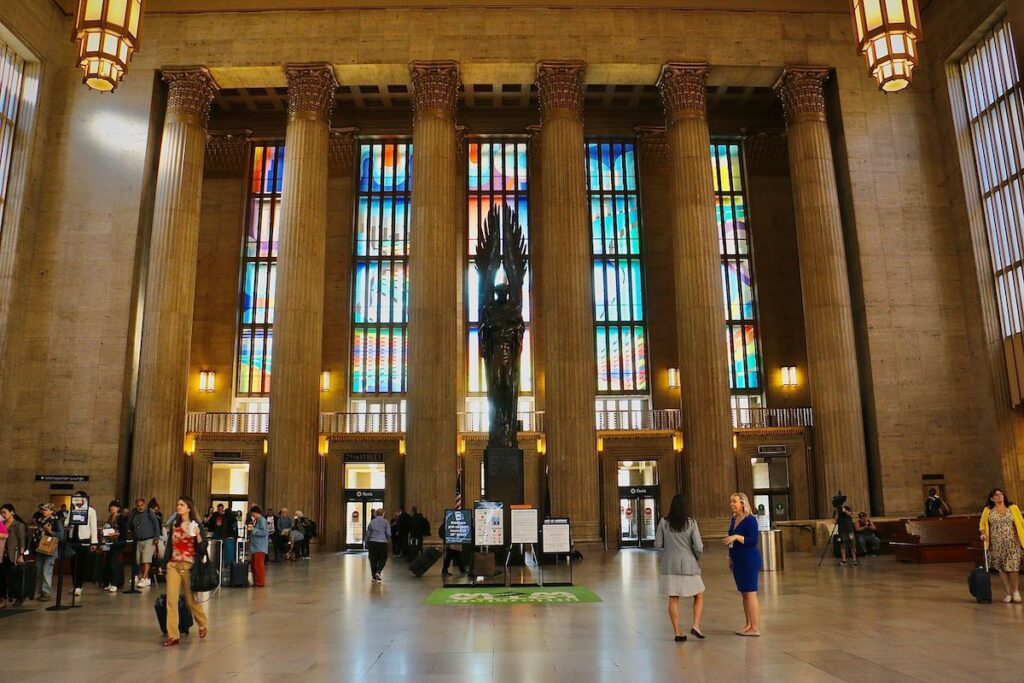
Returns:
(501, 249)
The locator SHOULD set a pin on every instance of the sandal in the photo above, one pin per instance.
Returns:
(202, 631)
(171, 642)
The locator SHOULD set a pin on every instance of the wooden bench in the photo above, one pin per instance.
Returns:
(937, 539)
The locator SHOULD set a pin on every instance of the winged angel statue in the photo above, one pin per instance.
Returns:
(501, 250)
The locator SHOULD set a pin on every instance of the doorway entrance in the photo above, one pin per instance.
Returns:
(229, 486)
(771, 487)
(638, 502)
(364, 493)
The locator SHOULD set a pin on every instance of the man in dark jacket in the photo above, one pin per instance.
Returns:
(145, 528)
(418, 528)
(402, 529)
(223, 527)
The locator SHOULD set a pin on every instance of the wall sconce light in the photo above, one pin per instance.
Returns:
(324, 445)
(542, 445)
(789, 377)
(107, 33)
(462, 446)
(677, 442)
(190, 444)
(401, 446)
(325, 380)
(735, 441)
(600, 444)
(673, 378)
(207, 381)
(266, 447)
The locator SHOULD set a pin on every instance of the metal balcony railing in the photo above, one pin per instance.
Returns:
(637, 419)
(362, 423)
(752, 418)
(480, 422)
(227, 423)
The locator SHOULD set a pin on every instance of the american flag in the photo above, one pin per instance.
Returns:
(458, 488)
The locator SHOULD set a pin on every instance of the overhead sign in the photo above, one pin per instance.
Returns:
(556, 536)
(524, 525)
(777, 449)
(638, 491)
(364, 494)
(62, 477)
(488, 523)
(364, 457)
(227, 455)
(458, 527)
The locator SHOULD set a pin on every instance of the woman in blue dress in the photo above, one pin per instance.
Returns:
(744, 560)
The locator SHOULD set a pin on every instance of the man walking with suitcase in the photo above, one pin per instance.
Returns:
(378, 533)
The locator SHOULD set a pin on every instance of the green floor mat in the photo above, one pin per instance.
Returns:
(553, 595)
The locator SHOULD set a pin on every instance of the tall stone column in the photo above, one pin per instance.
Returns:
(570, 373)
(431, 437)
(709, 463)
(159, 427)
(292, 458)
(828, 318)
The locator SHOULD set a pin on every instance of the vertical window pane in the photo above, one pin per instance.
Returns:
(12, 76)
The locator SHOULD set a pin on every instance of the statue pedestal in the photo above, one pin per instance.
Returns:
(503, 475)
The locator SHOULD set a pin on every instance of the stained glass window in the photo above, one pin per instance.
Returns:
(12, 75)
(741, 335)
(496, 173)
(619, 304)
(380, 297)
(993, 95)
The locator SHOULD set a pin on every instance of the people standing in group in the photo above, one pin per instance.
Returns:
(295, 538)
(115, 536)
(402, 526)
(378, 533)
(679, 539)
(283, 525)
(259, 538)
(13, 554)
(50, 526)
(145, 528)
(63, 513)
(868, 541)
(847, 540)
(1002, 530)
(223, 527)
(83, 541)
(186, 543)
(418, 528)
(744, 560)
(934, 506)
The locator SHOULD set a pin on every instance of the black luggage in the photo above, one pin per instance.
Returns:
(184, 614)
(424, 561)
(979, 583)
(21, 581)
(239, 574)
(411, 552)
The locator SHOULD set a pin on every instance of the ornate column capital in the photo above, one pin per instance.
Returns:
(342, 150)
(683, 93)
(227, 153)
(461, 148)
(435, 88)
(560, 89)
(802, 91)
(653, 144)
(766, 151)
(190, 91)
(310, 91)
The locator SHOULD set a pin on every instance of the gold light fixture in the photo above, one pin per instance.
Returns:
(190, 444)
(461, 446)
(677, 442)
(107, 34)
(325, 381)
(600, 444)
(542, 445)
(789, 376)
(207, 381)
(401, 446)
(887, 33)
(323, 445)
(673, 378)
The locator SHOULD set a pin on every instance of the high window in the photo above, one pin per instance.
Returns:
(620, 331)
(737, 275)
(380, 309)
(992, 92)
(496, 174)
(259, 272)
(12, 76)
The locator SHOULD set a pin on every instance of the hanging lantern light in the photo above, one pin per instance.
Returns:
(887, 35)
(107, 33)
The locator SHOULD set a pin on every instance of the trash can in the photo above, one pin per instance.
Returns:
(770, 545)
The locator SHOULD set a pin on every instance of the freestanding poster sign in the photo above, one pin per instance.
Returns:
(524, 525)
(458, 527)
(79, 510)
(488, 523)
(557, 540)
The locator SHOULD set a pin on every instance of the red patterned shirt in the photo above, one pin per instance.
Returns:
(183, 545)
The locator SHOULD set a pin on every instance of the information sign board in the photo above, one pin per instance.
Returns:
(79, 511)
(458, 527)
(556, 536)
(488, 523)
(524, 525)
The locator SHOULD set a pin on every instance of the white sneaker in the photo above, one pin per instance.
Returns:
(1008, 598)
(77, 592)
(111, 589)
(142, 583)
(1016, 596)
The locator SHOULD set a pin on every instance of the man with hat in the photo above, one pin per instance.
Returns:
(49, 524)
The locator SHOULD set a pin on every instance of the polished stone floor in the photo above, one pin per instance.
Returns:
(323, 620)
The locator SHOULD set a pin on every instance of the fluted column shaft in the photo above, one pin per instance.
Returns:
(431, 448)
(292, 459)
(828, 317)
(159, 428)
(570, 372)
(700, 309)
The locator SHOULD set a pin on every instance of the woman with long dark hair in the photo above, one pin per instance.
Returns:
(186, 544)
(679, 539)
(1002, 530)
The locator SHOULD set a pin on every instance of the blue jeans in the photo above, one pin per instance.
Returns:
(44, 563)
(228, 551)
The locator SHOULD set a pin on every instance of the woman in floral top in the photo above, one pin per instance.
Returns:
(185, 542)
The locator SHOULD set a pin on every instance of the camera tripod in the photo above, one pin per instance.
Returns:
(831, 540)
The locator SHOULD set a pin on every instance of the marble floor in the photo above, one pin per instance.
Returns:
(323, 620)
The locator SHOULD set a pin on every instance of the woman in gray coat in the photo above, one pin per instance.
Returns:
(681, 548)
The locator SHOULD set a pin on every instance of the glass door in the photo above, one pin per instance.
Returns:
(629, 535)
(771, 490)
(364, 493)
(649, 510)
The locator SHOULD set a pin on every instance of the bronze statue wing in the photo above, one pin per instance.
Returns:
(488, 254)
(514, 247)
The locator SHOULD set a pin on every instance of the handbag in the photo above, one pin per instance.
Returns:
(205, 577)
(47, 545)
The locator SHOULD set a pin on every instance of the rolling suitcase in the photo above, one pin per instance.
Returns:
(424, 561)
(21, 581)
(239, 574)
(979, 583)
(184, 614)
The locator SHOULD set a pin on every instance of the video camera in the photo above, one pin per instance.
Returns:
(838, 500)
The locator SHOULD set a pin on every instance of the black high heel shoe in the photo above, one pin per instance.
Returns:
(697, 634)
